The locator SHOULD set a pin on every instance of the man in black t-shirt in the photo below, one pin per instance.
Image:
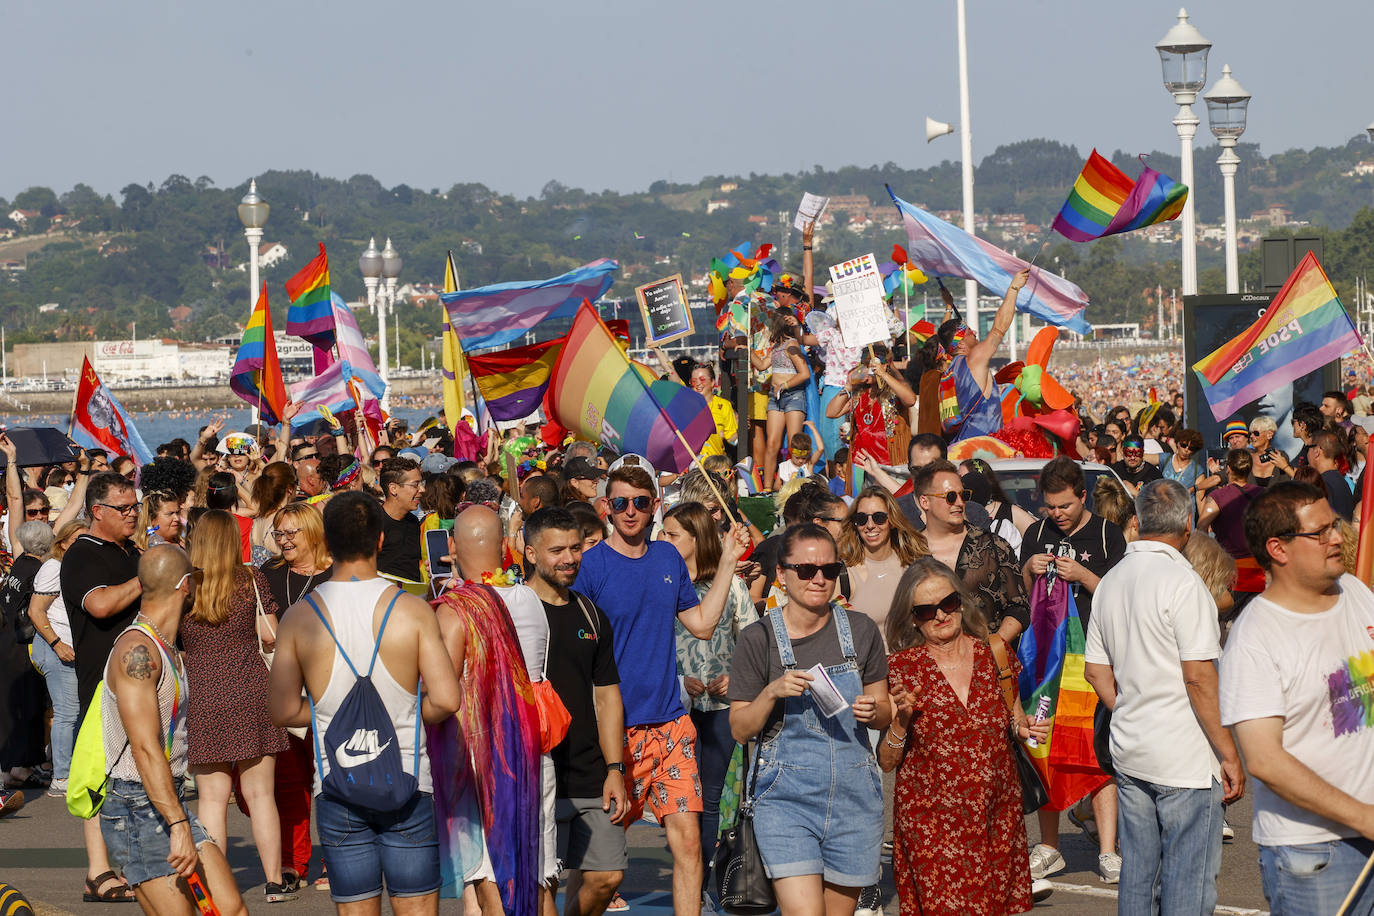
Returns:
(100, 579)
(1133, 469)
(589, 763)
(402, 485)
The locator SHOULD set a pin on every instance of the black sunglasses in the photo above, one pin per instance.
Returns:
(952, 496)
(620, 503)
(925, 613)
(861, 518)
(807, 571)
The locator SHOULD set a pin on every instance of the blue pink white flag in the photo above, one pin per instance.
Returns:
(490, 316)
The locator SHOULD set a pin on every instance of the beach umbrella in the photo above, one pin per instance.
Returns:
(37, 445)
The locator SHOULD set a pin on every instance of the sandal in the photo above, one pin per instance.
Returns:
(118, 893)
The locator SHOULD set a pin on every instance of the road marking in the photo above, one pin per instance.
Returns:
(1107, 893)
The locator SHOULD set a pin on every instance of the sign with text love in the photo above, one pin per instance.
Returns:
(857, 286)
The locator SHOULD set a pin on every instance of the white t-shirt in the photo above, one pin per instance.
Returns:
(49, 582)
(1316, 671)
(531, 626)
(1151, 612)
(789, 469)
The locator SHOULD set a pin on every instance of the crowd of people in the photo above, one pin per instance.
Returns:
(476, 659)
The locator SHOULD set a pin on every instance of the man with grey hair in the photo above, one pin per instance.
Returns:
(1152, 646)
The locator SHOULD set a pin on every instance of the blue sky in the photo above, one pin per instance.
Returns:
(618, 93)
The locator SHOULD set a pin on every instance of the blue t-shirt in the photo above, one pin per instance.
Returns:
(642, 598)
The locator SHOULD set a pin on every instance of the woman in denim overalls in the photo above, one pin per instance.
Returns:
(818, 804)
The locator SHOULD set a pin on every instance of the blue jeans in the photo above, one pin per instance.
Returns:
(361, 848)
(1315, 877)
(61, 680)
(715, 744)
(1170, 848)
(136, 834)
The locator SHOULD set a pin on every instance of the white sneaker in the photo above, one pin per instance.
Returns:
(1109, 867)
(1041, 888)
(1227, 831)
(1045, 861)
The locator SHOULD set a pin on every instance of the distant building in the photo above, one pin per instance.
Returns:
(1365, 167)
(713, 205)
(272, 254)
(728, 186)
(22, 217)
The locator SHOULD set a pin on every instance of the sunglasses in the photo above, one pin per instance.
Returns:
(641, 503)
(196, 575)
(952, 496)
(950, 604)
(807, 571)
(40, 512)
(861, 518)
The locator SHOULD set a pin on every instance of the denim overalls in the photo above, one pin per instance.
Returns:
(818, 801)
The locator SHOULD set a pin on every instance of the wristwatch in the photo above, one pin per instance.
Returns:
(618, 767)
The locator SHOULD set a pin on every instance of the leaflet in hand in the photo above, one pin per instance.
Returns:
(825, 693)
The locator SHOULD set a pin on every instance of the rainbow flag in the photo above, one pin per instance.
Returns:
(256, 374)
(452, 365)
(597, 394)
(1051, 656)
(311, 315)
(491, 316)
(513, 381)
(1104, 201)
(1304, 328)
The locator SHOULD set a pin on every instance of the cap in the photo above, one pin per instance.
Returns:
(580, 468)
(639, 461)
(436, 463)
(414, 453)
(237, 444)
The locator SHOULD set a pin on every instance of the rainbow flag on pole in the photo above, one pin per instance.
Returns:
(256, 374)
(597, 393)
(513, 381)
(1304, 328)
(1104, 201)
(311, 315)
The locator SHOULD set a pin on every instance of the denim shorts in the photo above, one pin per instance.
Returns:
(136, 834)
(791, 399)
(363, 847)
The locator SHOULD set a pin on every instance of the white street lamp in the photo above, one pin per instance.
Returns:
(966, 152)
(253, 212)
(1370, 130)
(1183, 56)
(391, 269)
(1226, 110)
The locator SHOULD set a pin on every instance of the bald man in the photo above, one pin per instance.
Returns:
(477, 547)
(144, 682)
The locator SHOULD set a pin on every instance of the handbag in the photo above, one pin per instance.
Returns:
(554, 718)
(1102, 738)
(263, 651)
(1033, 794)
(743, 888)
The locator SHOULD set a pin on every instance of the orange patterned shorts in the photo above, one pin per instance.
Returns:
(661, 769)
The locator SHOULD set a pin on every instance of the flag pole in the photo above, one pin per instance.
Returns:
(1355, 890)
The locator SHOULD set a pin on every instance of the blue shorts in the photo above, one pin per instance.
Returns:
(136, 834)
(791, 399)
(361, 847)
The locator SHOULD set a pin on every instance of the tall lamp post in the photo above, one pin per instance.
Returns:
(1226, 104)
(391, 269)
(966, 152)
(1183, 56)
(253, 212)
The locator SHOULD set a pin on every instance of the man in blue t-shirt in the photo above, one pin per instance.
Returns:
(643, 586)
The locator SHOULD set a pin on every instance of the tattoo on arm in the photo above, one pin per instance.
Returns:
(138, 663)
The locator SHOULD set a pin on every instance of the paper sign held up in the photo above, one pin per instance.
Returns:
(810, 210)
(857, 286)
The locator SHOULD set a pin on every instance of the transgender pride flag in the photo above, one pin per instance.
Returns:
(490, 316)
(942, 250)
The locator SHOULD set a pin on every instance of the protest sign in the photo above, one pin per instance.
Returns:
(810, 210)
(857, 286)
(663, 305)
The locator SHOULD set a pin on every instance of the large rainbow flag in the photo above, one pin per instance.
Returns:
(513, 381)
(1304, 328)
(311, 315)
(1104, 201)
(490, 316)
(597, 393)
(1051, 656)
(256, 374)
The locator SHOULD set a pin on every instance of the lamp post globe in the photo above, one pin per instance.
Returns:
(1370, 130)
(1183, 59)
(391, 269)
(253, 212)
(370, 264)
(1227, 102)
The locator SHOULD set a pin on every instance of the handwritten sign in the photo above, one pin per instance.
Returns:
(810, 209)
(663, 304)
(857, 286)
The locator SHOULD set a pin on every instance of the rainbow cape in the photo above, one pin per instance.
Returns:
(513, 381)
(311, 316)
(1304, 328)
(256, 374)
(1051, 656)
(1104, 201)
(490, 783)
(596, 393)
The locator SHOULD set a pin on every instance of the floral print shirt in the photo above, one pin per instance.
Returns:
(708, 659)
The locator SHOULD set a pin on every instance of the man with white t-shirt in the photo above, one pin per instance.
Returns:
(1296, 687)
(1150, 654)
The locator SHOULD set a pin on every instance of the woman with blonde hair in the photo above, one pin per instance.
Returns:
(228, 729)
(159, 520)
(877, 543)
(948, 743)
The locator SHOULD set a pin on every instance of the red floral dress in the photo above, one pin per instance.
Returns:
(959, 839)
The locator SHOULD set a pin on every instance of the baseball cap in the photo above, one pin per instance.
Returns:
(436, 463)
(580, 468)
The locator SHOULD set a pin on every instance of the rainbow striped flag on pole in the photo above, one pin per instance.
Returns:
(311, 315)
(597, 393)
(1304, 328)
(513, 381)
(256, 375)
(1104, 201)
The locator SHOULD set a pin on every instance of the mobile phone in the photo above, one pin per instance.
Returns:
(1266, 457)
(436, 542)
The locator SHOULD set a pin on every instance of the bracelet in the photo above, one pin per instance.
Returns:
(52, 644)
(806, 248)
(174, 823)
(888, 741)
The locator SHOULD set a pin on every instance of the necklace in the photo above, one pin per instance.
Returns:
(146, 619)
(309, 584)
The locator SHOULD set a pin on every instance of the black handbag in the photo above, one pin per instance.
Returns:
(742, 886)
(1102, 738)
(1033, 794)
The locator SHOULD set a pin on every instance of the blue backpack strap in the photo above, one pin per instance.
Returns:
(377, 647)
(310, 600)
(315, 736)
(418, 726)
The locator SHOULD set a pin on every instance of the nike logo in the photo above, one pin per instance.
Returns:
(359, 749)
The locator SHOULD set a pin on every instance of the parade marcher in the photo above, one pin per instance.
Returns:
(399, 557)
(1151, 648)
(159, 520)
(1322, 454)
(1006, 519)
(703, 382)
(970, 404)
(1133, 469)
(788, 374)
(1223, 515)
(876, 400)
(876, 545)
(57, 663)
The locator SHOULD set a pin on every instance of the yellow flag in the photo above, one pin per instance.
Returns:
(454, 363)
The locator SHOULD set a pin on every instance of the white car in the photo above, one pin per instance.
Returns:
(1020, 476)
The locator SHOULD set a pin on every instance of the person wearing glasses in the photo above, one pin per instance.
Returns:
(876, 545)
(948, 744)
(1294, 691)
(983, 561)
(1186, 465)
(100, 590)
(808, 683)
(1133, 469)
(1271, 465)
(643, 586)
(402, 485)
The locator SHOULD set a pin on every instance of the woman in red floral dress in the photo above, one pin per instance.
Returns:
(959, 839)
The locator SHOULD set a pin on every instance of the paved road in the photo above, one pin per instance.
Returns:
(41, 853)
